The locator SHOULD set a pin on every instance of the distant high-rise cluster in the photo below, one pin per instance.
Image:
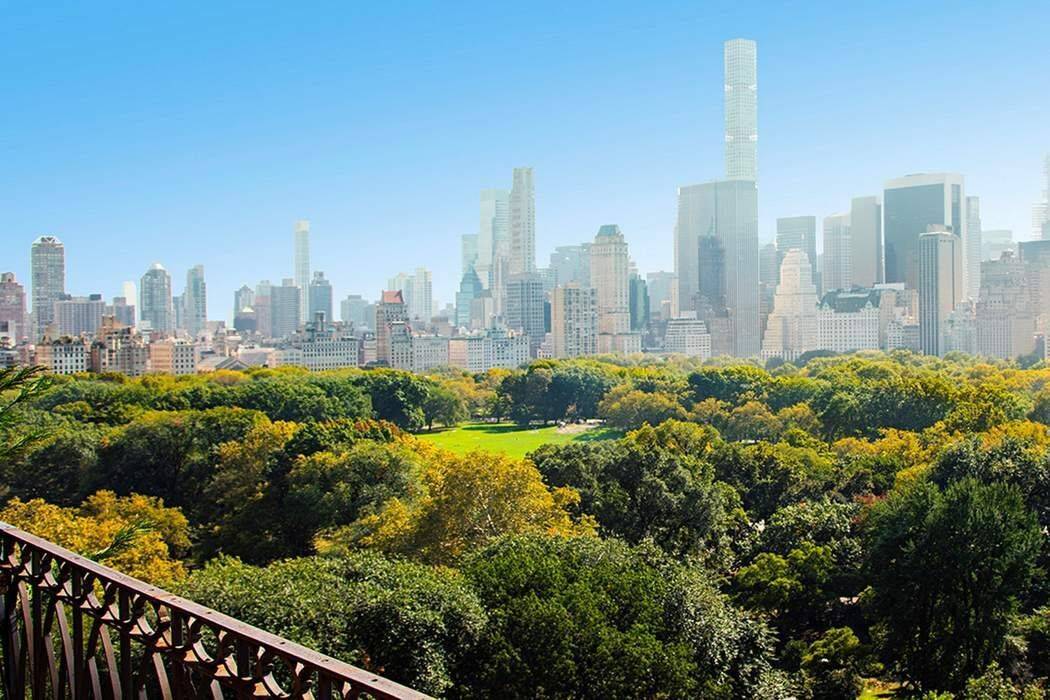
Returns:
(911, 268)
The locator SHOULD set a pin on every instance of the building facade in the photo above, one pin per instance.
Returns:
(574, 321)
(940, 284)
(48, 271)
(155, 308)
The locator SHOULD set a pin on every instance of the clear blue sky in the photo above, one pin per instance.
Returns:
(197, 132)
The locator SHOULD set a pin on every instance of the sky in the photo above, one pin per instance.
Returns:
(199, 132)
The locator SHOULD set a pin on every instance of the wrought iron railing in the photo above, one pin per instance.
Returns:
(72, 628)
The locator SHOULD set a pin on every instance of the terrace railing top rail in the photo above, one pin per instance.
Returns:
(71, 627)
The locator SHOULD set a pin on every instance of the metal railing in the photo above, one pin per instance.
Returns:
(72, 628)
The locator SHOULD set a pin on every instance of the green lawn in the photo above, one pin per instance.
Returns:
(511, 439)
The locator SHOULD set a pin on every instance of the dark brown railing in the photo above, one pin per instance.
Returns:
(71, 628)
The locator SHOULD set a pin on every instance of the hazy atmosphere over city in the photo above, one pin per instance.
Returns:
(200, 132)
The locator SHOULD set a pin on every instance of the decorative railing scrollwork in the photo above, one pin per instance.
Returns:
(72, 628)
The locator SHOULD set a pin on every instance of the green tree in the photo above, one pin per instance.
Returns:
(410, 623)
(444, 406)
(588, 618)
(946, 569)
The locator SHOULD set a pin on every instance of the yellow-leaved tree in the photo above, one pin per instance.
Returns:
(465, 502)
(135, 534)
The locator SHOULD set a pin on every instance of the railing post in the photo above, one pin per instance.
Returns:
(13, 687)
(77, 580)
(124, 631)
(37, 662)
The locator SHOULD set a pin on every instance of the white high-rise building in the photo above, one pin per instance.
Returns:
(48, 270)
(522, 223)
(741, 109)
(792, 326)
(155, 305)
(838, 258)
(574, 321)
(941, 285)
(610, 278)
(302, 266)
(972, 248)
(195, 301)
(421, 305)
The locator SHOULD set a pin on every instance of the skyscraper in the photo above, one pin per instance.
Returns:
(421, 302)
(302, 266)
(865, 234)
(939, 267)
(469, 289)
(320, 297)
(972, 248)
(493, 234)
(263, 323)
(76, 316)
(838, 263)
(522, 223)
(195, 301)
(243, 298)
(716, 257)
(792, 326)
(661, 286)
(468, 251)
(284, 309)
(741, 109)
(12, 309)
(48, 269)
(798, 232)
(572, 263)
(155, 306)
(610, 278)
(574, 321)
(1041, 209)
(910, 205)
(526, 311)
(391, 321)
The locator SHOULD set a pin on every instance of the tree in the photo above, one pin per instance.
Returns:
(833, 665)
(443, 406)
(589, 618)
(946, 569)
(465, 501)
(329, 490)
(410, 623)
(730, 384)
(627, 408)
(652, 484)
(396, 396)
(794, 589)
(18, 386)
(135, 535)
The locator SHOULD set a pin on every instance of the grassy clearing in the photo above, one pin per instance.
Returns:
(876, 690)
(512, 440)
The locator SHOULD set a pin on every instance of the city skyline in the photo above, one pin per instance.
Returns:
(251, 242)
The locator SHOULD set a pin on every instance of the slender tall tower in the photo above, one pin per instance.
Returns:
(1041, 209)
(941, 285)
(195, 301)
(522, 223)
(48, 262)
(155, 307)
(302, 266)
(741, 109)
(972, 247)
